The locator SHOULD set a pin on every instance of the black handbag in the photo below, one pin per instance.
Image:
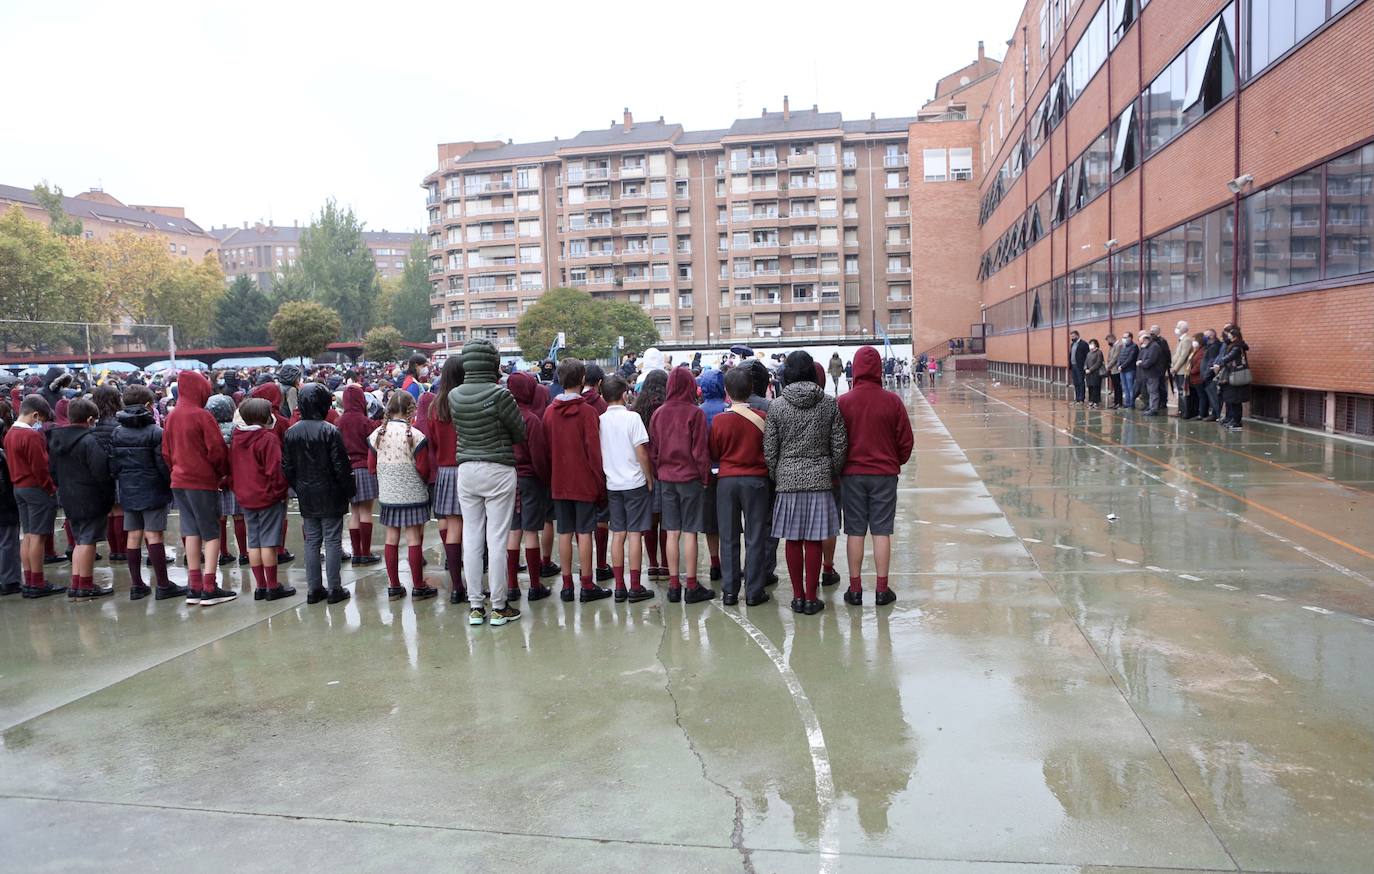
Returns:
(1239, 375)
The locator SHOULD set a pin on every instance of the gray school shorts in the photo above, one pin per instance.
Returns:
(264, 526)
(147, 520)
(37, 510)
(535, 504)
(630, 510)
(684, 507)
(574, 517)
(870, 504)
(199, 510)
(88, 532)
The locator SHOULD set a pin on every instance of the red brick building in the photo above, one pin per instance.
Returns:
(1144, 162)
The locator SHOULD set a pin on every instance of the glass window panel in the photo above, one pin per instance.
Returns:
(1350, 213)
(1282, 22)
(1125, 142)
(1126, 281)
(1059, 299)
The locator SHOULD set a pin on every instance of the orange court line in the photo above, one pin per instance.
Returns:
(1230, 494)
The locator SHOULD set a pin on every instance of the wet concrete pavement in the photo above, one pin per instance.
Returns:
(1183, 688)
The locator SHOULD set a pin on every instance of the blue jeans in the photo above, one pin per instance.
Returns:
(1128, 387)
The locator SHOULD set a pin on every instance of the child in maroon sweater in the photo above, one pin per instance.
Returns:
(742, 489)
(682, 460)
(260, 487)
(194, 449)
(591, 393)
(880, 442)
(577, 481)
(355, 426)
(26, 452)
(532, 483)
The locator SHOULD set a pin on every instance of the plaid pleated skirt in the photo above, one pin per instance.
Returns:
(404, 515)
(446, 493)
(364, 485)
(228, 504)
(805, 516)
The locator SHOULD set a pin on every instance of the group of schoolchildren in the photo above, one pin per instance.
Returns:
(499, 460)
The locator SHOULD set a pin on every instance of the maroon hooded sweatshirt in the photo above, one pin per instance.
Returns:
(879, 429)
(532, 456)
(255, 461)
(355, 425)
(678, 444)
(573, 432)
(272, 392)
(191, 440)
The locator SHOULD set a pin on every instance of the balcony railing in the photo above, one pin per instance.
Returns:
(897, 270)
(432, 199)
(483, 187)
(895, 160)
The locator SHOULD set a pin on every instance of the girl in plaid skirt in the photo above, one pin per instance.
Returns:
(402, 460)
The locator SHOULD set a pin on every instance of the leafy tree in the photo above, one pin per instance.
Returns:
(40, 279)
(242, 314)
(303, 328)
(577, 314)
(51, 199)
(631, 322)
(338, 267)
(130, 266)
(290, 285)
(187, 298)
(409, 308)
(383, 343)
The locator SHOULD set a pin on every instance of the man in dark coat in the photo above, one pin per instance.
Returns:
(1150, 368)
(1078, 354)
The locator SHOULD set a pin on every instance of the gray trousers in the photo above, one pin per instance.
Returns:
(751, 497)
(326, 531)
(1156, 389)
(9, 555)
(486, 492)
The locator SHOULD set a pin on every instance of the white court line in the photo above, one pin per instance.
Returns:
(820, 757)
(1127, 561)
(1322, 610)
(1094, 554)
(1031, 540)
(1065, 546)
(1245, 520)
(1190, 577)
(1269, 597)
(1226, 587)
(1156, 568)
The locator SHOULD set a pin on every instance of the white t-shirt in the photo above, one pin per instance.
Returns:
(621, 431)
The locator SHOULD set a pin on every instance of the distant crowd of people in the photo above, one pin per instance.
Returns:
(637, 464)
(1207, 372)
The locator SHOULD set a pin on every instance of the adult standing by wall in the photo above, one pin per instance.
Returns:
(1113, 369)
(1078, 355)
(1235, 390)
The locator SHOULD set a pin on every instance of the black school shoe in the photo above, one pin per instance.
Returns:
(830, 578)
(715, 574)
(243, 561)
(537, 592)
(260, 593)
(814, 607)
(138, 593)
(885, 597)
(226, 558)
(280, 592)
(458, 596)
(285, 556)
(550, 569)
(165, 592)
(423, 593)
(395, 593)
(674, 594)
(594, 593)
(603, 574)
(89, 594)
(42, 591)
(729, 599)
(761, 599)
(772, 580)
(338, 595)
(55, 559)
(699, 594)
(11, 589)
(315, 596)
(854, 599)
(119, 556)
(798, 605)
(567, 596)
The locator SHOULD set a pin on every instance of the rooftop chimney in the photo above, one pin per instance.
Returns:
(980, 51)
(629, 120)
(786, 108)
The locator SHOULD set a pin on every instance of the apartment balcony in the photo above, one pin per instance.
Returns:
(452, 194)
(898, 271)
(851, 163)
(896, 215)
(490, 238)
(635, 253)
(632, 172)
(898, 327)
(897, 245)
(634, 223)
(485, 187)
(830, 297)
(493, 314)
(899, 298)
(432, 199)
(806, 160)
(505, 210)
(895, 160)
(804, 271)
(720, 170)
(437, 271)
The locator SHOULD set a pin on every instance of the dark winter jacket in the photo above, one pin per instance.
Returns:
(1153, 358)
(103, 429)
(191, 440)
(1211, 351)
(1128, 358)
(804, 439)
(54, 381)
(484, 413)
(9, 507)
(1235, 356)
(140, 471)
(355, 426)
(573, 431)
(678, 444)
(531, 456)
(81, 470)
(875, 421)
(314, 459)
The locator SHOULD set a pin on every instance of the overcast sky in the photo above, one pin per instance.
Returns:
(255, 110)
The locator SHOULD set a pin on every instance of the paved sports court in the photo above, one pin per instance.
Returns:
(1120, 644)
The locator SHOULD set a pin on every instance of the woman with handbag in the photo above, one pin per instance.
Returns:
(1233, 372)
(1093, 371)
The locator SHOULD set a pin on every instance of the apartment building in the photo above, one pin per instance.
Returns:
(1213, 162)
(102, 214)
(793, 223)
(263, 251)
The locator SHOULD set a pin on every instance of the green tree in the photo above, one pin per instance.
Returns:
(383, 343)
(40, 279)
(290, 285)
(303, 328)
(577, 314)
(51, 199)
(409, 308)
(338, 267)
(187, 298)
(631, 322)
(242, 314)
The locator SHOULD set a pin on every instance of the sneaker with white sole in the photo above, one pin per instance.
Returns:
(477, 616)
(504, 615)
(211, 597)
